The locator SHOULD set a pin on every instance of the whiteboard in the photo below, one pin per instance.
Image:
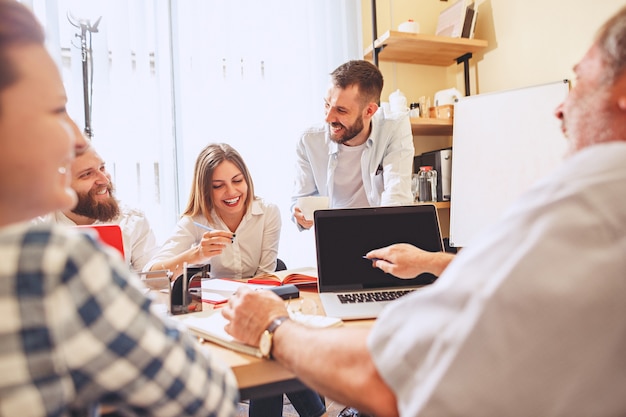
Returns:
(502, 142)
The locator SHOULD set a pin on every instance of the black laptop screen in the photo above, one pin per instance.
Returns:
(343, 236)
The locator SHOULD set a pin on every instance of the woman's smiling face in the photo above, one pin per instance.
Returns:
(229, 190)
(37, 137)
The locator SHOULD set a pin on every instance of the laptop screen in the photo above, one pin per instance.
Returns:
(343, 236)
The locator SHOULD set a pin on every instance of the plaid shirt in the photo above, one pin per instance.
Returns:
(76, 330)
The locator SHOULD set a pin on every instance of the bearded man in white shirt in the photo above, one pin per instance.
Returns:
(98, 205)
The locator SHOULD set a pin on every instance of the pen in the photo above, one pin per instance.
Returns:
(202, 226)
(371, 259)
(209, 229)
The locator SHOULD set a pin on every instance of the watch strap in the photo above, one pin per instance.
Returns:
(276, 322)
(273, 326)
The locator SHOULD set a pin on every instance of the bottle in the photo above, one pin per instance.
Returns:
(424, 103)
(427, 179)
(415, 182)
(397, 102)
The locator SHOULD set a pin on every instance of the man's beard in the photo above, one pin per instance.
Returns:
(89, 206)
(349, 132)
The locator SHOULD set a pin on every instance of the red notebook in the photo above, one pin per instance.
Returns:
(111, 234)
(300, 277)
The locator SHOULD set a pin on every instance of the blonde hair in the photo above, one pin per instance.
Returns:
(200, 198)
(611, 40)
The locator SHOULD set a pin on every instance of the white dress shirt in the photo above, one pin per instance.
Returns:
(528, 320)
(254, 249)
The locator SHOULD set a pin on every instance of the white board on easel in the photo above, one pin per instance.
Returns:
(502, 143)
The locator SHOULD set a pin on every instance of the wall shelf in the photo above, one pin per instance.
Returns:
(431, 127)
(422, 49)
(418, 48)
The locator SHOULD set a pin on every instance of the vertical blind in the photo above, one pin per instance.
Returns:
(166, 78)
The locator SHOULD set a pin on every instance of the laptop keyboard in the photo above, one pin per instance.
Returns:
(369, 297)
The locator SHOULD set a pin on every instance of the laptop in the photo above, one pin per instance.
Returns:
(349, 286)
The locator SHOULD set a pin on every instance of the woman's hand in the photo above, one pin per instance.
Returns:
(212, 244)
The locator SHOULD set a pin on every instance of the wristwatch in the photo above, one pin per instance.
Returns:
(265, 345)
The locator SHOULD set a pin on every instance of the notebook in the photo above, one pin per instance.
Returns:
(343, 236)
(111, 234)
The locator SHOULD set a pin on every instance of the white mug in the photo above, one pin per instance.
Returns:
(309, 204)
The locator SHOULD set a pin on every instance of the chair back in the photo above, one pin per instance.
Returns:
(280, 265)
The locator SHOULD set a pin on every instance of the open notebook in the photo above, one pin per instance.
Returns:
(349, 287)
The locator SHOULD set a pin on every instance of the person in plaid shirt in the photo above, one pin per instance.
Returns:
(76, 330)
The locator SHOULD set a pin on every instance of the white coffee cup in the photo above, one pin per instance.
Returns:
(309, 204)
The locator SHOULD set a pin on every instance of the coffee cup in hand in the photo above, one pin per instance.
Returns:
(309, 204)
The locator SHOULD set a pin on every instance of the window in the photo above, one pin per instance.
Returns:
(167, 78)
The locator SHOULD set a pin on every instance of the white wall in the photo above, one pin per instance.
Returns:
(530, 42)
(534, 42)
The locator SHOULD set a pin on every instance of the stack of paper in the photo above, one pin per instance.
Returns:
(209, 325)
(457, 20)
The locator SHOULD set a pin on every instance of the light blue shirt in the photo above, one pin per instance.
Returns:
(386, 162)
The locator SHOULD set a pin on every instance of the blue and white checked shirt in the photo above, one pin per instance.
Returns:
(76, 330)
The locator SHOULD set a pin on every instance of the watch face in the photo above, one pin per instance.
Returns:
(265, 345)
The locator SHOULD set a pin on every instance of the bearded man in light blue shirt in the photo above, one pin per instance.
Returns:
(361, 157)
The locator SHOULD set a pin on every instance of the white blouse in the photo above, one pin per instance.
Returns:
(254, 249)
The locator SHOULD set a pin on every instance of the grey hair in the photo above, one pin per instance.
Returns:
(611, 40)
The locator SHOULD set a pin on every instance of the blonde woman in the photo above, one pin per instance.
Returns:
(227, 226)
